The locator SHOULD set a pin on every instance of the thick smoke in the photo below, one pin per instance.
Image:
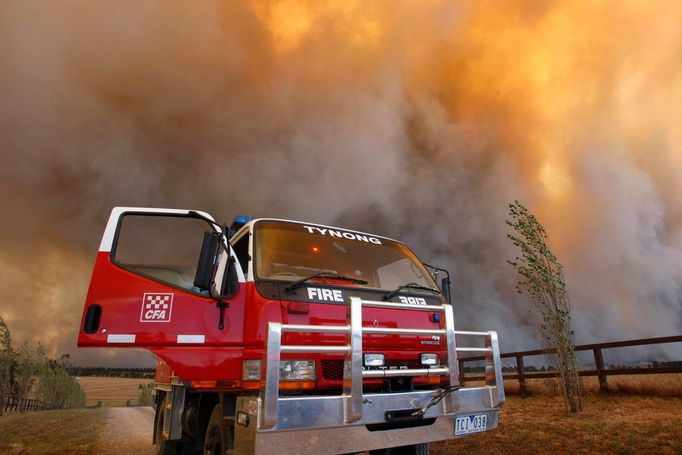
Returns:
(417, 120)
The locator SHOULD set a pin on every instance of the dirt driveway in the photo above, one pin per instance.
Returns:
(127, 431)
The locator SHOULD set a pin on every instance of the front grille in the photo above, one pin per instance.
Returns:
(332, 370)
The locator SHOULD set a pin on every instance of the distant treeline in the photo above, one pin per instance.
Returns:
(143, 373)
(542, 369)
(675, 364)
(27, 374)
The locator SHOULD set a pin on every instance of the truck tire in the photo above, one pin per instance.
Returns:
(416, 449)
(218, 439)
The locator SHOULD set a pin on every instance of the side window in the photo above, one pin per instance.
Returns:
(241, 249)
(163, 248)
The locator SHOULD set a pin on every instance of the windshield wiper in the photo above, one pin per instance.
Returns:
(395, 292)
(297, 284)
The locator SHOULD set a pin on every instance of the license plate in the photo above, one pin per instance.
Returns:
(474, 423)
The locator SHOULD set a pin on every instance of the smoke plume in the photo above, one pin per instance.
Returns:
(416, 120)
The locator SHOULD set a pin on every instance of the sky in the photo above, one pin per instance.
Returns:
(420, 121)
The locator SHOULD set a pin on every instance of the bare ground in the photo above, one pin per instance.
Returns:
(127, 431)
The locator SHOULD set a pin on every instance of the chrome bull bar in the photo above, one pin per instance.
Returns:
(352, 398)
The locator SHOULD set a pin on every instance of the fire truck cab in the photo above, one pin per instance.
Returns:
(282, 336)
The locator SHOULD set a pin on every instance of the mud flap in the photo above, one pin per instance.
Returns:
(173, 406)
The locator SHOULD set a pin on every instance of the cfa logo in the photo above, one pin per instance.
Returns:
(156, 307)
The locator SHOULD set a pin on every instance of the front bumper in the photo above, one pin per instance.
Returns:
(314, 425)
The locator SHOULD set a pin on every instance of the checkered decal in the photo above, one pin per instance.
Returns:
(156, 307)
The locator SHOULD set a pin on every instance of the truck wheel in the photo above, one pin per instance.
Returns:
(416, 449)
(218, 438)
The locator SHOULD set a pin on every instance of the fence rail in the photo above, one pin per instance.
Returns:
(522, 374)
(13, 404)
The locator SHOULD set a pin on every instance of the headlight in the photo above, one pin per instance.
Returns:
(297, 370)
(429, 358)
(289, 370)
(251, 370)
(374, 360)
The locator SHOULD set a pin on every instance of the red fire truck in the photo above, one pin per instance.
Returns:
(276, 336)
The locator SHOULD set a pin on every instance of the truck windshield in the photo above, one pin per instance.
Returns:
(288, 251)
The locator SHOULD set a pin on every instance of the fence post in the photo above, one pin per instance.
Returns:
(601, 374)
(523, 390)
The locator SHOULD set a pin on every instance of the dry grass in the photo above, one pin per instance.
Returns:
(68, 431)
(111, 391)
(620, 424)
(632, 420)
(616, 424)
(662, 385)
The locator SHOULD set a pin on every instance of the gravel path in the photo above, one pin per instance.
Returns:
(127, 431)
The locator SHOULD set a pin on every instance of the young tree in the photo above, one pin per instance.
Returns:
(28, 373)
(26, 364)
(57, 387)
(541, 279)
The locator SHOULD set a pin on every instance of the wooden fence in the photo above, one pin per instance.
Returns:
(13, 404)
(522, 373)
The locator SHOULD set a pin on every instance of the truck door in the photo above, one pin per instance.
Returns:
(142, 291)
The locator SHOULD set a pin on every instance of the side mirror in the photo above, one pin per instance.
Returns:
(203, 279)
(230, 285)
(445, 288)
